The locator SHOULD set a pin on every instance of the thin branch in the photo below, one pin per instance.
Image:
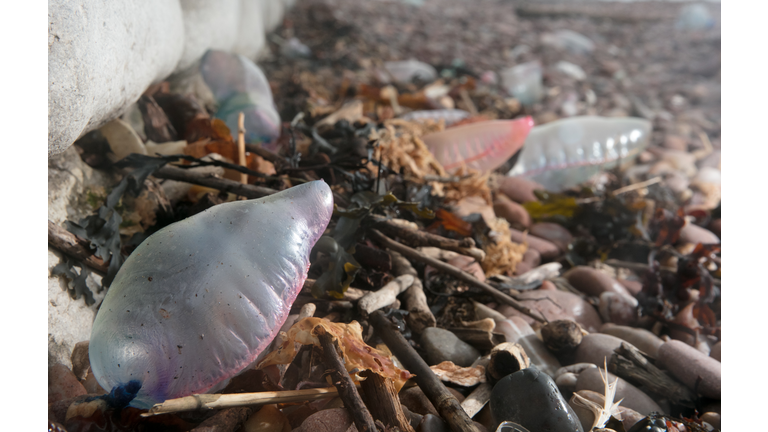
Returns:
(415, 238)
(455, 272)
(74, 246)
(248, 191)
(343, 382)
(219, 401)
(445, 403)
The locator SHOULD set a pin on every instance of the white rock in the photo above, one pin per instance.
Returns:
(572, 70)
(69, 321)
(101, 57)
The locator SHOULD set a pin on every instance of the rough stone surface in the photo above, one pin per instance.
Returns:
(103, 55)
(442, 345)
(69, 321)
(689, 365)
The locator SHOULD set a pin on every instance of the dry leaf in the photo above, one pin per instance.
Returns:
(464, 376)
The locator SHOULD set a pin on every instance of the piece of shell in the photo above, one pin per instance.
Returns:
(199, 300)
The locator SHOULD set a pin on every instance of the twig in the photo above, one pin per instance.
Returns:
(477, 399)
(179, 174)
(445, 403)
(343, 382)
(443, 179)
(455, 272)
(622, 190)
(72, 245)
(219, 401)
(414, 300)
(241, 146)
(385, 295)
(379, 393)
(628, 363)
(416, 238)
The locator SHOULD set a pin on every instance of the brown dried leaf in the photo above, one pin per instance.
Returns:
(357, 355)
(464, 376)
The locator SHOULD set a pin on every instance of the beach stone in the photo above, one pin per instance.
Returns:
(531, 399)
(548, 286)
(432, 423)
(618, 308)
(415, 400)
(634, 287)
(81, 363)
(571, 307)
(597, 347)
(692, 233)
(517, 330)
(327, 420)
(593, 282)
(442, 345)
(711, 418)
(554, 233)
(545, 248)
(642, 339)
(513, 212)
(715, 352)
(519, 189)
(62, 383)
(688, 364)
(634, 398)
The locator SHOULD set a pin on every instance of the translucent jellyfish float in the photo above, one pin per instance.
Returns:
(198, 301)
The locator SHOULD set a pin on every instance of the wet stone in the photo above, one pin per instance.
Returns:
(531, 399)
(556, 305)
(442, 345)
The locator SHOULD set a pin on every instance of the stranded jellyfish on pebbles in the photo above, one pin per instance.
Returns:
(198, 301)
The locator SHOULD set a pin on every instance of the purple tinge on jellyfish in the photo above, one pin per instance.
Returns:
(199, 300)
(240, 86)
(567, 152)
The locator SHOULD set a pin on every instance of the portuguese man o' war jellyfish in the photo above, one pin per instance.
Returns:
(240, 86)
(567, 152)
(198, 301)
(483, 146)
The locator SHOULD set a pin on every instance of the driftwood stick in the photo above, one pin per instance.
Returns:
(477, 399)
(343, 382)
(445, 403)
(415, 238)
(455, 272)
(218, 401)
(225, 185)
(74, 246)
(414, 300)
(386, 295)
(628, 363)
(379, 394)
(227, 420)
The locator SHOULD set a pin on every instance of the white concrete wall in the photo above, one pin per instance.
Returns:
(103, 54)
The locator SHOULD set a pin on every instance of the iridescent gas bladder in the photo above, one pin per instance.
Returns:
(198, 301)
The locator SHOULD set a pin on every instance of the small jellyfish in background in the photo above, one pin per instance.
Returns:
(240, 86)
(198, 301)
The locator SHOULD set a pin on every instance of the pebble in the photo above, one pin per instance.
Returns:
(593, 282)
(548, 286)
(63, 384)
(531, 260)
(513, 212)
(519, 189)
(561, 306)
(692, 233)
(596, 348)
(634, 287)
(711, 418)
(642, 339)
(688, 364)
(618, 308)
(545, 248)
(517, 330)
(80, 361)
(415, 400)
(715, 352)
(432, 423)
(267, 419)
(554, 233)
(328, 420)
(675, 142)
(633, 397)
(531, 399)
(442, 345)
